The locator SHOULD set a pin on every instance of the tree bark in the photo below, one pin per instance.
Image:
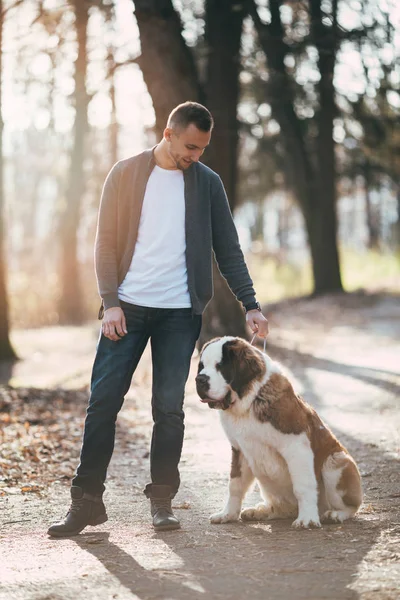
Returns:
(223, 32)
(71, 305)
(397, 225)
(224, 22)
(373, 233)
(167, 64)
(324, 232)
(6, 349)
(114, 127)
(171, 76)
(109, 16)
(310, 173)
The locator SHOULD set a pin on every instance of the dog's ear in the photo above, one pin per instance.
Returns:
(240, 365)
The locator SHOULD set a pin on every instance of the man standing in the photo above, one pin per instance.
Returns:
(162, 213)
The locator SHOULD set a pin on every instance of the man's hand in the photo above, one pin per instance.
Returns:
(257, 323)
(114, 324)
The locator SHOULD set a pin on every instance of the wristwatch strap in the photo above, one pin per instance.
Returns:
(252, 306)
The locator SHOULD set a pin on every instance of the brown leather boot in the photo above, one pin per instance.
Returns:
(161, 510)
(85, 509)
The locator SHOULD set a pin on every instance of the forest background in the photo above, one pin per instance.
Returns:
(306, 101)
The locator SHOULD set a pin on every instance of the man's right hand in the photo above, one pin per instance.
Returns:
(114, 324)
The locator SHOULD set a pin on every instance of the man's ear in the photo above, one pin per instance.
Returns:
(167, 134)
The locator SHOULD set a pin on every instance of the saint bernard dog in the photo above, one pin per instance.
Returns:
(302, 470)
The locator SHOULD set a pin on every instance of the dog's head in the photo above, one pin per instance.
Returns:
(228, 368)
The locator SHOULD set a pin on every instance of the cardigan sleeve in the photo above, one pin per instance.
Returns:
(226, 246)
(106, 265)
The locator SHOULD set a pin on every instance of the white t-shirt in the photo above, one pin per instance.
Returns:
(157, 276)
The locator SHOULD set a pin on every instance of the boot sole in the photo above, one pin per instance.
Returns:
(61, 534)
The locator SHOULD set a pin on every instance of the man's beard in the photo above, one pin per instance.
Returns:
(184, 165)
(179, 162)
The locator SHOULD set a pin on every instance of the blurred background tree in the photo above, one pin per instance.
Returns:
(71, 309)
(6, 350)
(306, 102)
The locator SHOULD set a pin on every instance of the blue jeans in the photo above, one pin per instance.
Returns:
(173, 334)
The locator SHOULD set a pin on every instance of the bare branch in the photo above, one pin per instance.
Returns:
(116, 65)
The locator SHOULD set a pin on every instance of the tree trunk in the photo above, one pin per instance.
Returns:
(314, 186)
(397, 226)
(257, 227)
(6, 350)
(373, 232)
(321, 231)
(114, 126)
(109, 15)
(224, 21)
(324, 228)
(71, 305)
(166, 62)
(171, 77)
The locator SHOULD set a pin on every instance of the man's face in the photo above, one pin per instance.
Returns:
(185, 146)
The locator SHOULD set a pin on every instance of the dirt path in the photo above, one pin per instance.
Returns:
(342, 354)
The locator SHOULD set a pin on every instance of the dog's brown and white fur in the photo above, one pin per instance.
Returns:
(277, 438)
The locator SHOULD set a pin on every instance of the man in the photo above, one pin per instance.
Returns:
(162, 213)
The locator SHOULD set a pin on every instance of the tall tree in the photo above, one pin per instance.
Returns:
(71, 308)
(171, 75)
(166, 62)
(378, 154)
(310, 167)
(223, 33)
(6, 350)
(372, 217)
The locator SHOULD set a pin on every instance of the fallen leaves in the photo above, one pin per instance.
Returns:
(30, 488)
(182, 505)
(40, 437)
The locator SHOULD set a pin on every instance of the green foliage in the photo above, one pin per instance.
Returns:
(275, 280)
(370, 269)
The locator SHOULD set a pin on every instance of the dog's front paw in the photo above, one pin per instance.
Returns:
(333, 516)
(261, 512)
(223, 517)
(305, 522)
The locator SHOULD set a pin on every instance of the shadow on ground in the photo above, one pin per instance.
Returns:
(267, 560)
(262, 561)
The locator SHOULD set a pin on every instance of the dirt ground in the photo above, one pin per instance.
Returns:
(343, 355)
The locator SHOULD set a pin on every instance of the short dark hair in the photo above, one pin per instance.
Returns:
(187, 113)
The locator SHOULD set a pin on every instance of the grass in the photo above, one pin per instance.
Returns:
(276, 278)
(371, 270)
(33, 300)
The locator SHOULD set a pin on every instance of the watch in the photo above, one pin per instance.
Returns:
(252, 306)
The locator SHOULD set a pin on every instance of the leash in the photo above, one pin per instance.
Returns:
(265, 342)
